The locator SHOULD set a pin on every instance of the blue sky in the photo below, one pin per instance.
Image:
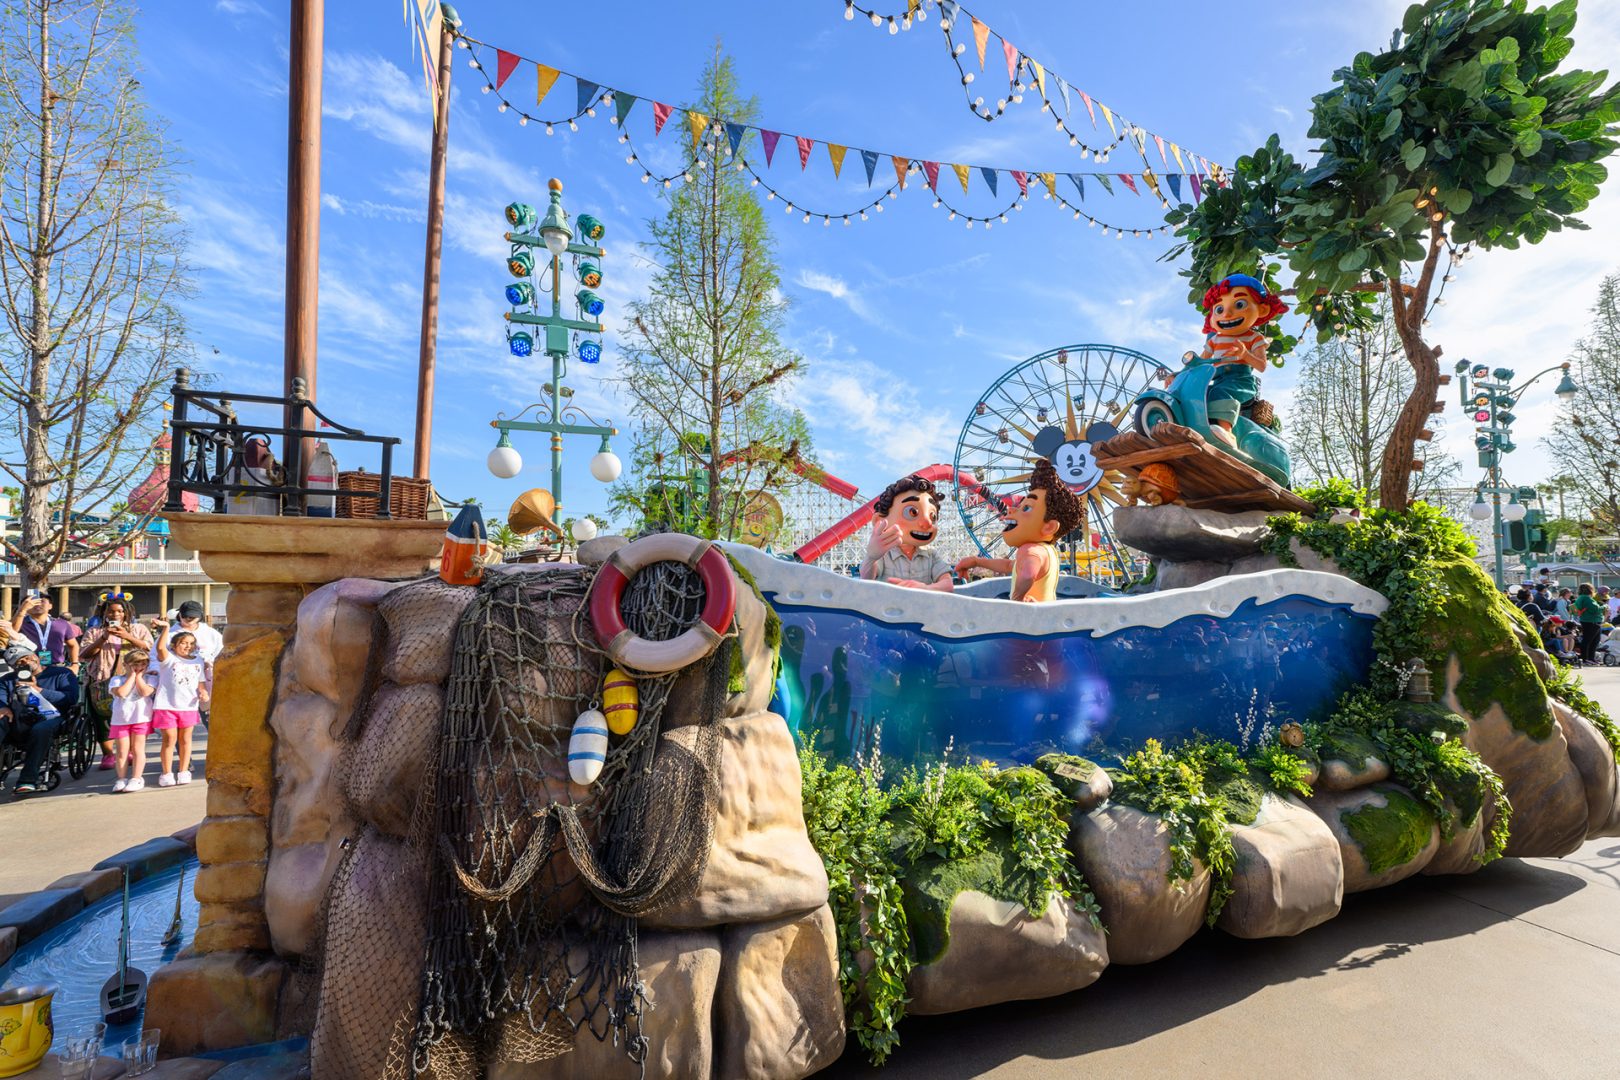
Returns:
(903, 319)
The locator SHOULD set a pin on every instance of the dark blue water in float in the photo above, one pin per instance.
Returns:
(79, 954)
(1010, 698)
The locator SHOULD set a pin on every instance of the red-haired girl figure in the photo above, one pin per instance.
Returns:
(1234, 310)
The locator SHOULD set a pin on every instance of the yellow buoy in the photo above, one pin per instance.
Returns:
(620, 702)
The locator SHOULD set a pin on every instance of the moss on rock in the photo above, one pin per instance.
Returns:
(930, 887)
(1427, 717)
(1350, 747)
(1476, 626)
(1391, 835)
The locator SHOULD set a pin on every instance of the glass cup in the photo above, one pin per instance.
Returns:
(140, 1054)
(79, 1051)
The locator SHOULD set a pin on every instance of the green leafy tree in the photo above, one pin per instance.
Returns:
(91, 264)
(1462, 132)
(1586, 440)
(704, 364)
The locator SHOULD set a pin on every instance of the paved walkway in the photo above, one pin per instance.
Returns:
(82, 822)
(1513, 971)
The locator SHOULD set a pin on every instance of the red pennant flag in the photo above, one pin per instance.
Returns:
(1022, 180)
(505, 64)
(931, 170)
(660, 114)
(1012, 58)
(1130, 182)
(769, 139)
(804, 150)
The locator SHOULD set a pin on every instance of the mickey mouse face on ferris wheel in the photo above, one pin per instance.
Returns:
(1074, 459)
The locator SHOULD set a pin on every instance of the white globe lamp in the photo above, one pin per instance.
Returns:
(605, 466)
(1513, 511)
(1480, 511)
(504, 461)
(584, 529)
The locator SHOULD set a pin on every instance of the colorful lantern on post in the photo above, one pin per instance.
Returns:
(589, 227)
(521, 216)
(590, 275)
(520, 264)
(521, 343)
(590, 352)
(520, 294)
(589, 302)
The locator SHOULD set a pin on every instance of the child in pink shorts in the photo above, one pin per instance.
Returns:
(177, 704)
(131, 718)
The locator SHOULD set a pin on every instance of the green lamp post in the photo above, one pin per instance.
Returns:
(553, 236)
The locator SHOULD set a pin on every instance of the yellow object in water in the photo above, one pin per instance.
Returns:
(25, 1027)
(621, 702)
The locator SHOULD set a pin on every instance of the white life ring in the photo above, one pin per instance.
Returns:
(719, 602)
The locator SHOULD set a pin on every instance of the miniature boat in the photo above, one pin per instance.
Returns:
(1010, 681)
(123, 995)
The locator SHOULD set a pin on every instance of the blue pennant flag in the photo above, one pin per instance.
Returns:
(989, 175)
(869, 158)
(734, 132)
(1108, 185)
(1063, 88)
(587, 94)
(1175, 183)
(948, 9)
(1079, 185)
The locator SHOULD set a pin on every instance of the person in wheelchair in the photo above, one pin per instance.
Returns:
(34, 698)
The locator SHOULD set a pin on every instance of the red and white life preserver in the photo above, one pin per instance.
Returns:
(719, 602)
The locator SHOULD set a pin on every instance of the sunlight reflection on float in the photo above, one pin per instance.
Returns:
(1010, 698)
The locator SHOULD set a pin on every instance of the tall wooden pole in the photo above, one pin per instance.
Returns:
(303, 213)
(430, 267)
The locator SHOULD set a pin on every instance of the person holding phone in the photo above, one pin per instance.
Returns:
(118, 628)
(56, 636)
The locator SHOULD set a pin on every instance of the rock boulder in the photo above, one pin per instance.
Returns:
(1124, 854)
(1183, 535)
(1593, 758)
(1384, 834)
(1289, 875)
(780, 1012)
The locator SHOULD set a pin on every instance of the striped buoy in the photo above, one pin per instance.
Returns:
(587, 748)
(620, 701)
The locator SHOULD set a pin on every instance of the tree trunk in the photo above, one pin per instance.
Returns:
(39, 473)
(1400, 451)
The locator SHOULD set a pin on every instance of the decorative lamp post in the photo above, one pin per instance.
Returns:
(553, 235)
(1490, 401)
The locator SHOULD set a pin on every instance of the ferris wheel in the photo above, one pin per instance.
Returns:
(1053, 406)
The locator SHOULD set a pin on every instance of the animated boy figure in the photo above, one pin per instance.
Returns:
(904, 525)
(1234, 310)
(1048, 512)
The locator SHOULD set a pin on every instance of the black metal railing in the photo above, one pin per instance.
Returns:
(208, 452)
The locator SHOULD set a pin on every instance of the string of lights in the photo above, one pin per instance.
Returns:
(603, 97)
(1117, 231)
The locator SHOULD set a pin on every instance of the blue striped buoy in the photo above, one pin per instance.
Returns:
(587, 747)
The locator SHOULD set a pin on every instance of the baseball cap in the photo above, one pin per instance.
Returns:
(191, 610)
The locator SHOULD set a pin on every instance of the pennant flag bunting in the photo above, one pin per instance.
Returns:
(1130, 182)
(912, 6)
(1159, 139)
(901, 167)
(948, 8)
(836, 153)
(1140, 136)
(505, 64)
(1063, 90)
(547, 78)
(621, 106)
(769, 138)
(1152, 182)
(734, 135)
(587, 94)
(1085, 97)
(1022, 180)
(1040, 76)
(1176, 150)
(1198, 187)
(961, 172)
(1079, 185)
(1011, 52)
(1108, 115)
(981, 36)
(989, 175)
(660, 115)
(805, 146)
(1108, 185)
(1175, 184)
(931, 170)
(1050, 180)
(869, 158)
(697, 122)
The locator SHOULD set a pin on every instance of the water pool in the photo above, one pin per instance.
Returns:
(79, 954)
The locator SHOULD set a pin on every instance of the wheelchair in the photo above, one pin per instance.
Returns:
(71, 748)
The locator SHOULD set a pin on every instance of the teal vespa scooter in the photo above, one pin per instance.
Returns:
(1186, 402)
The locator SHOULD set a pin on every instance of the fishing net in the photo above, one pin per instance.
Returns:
(384, 774)
(535, 883)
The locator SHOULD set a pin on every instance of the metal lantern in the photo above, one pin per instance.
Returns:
(520, 264)
(554, 228)
(521, 216)
(590, 274)
(1418, 685)
(520, 294)
(589, 302)
(521, 343)
(589, 227)
(590, 352)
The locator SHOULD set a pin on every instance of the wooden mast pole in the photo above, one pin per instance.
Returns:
(303, 216)
(422, 460)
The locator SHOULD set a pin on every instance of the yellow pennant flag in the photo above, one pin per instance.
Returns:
(981, 35)
(901, 167)
(1153, 183)
(1176, 150)
(548, 79)
(961, 172)
(836, 153)
(1108, 115)
(912, 6)
(1040, 76)
(1050, 180)
(697, 122)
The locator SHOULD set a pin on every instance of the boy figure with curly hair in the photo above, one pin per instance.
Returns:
(1234, 310)
(1047, 513)
(904, 525)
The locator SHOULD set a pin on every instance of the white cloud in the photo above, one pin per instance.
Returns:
(836, 288)
(240, 7)
(853, 402)
(366, 208)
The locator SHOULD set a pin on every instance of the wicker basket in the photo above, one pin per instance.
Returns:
(1260, 412)
(407, 496)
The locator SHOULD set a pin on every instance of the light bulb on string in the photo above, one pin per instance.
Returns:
(880, 208)
(483, 89)
(591, 111)
(846, 220)
(548, 128)
(877, 20)
(953, 216)
(960, 48)
(826, 221)
(807, 219)
(849, 12)
(645, 177)
(624, 136)
(894, 28)
(572, 126)
(863, 215)
(523, 121)
(967, 77)
(501, 107)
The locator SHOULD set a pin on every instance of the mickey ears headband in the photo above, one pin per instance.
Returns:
(107, 596)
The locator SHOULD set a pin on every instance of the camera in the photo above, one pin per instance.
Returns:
(25, 674)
